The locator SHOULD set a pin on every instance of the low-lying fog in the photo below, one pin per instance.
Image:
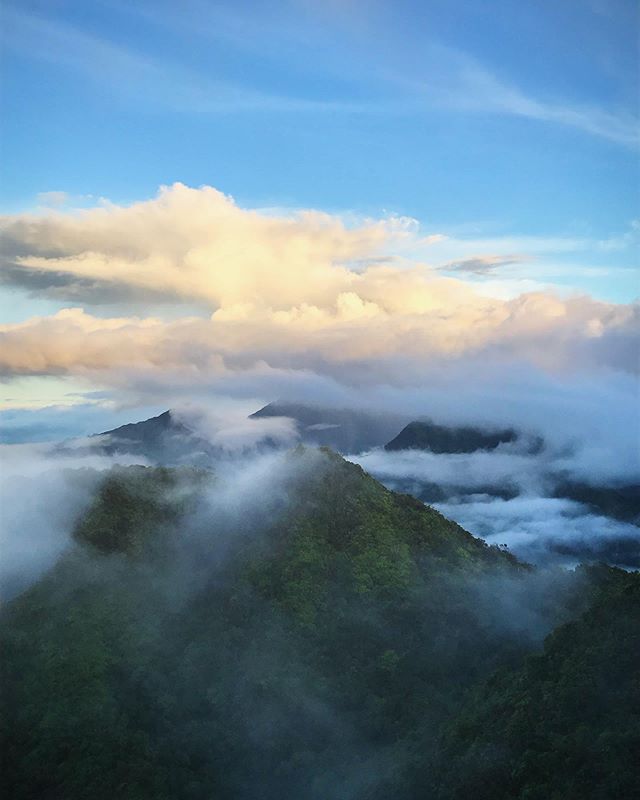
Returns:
(509, 496)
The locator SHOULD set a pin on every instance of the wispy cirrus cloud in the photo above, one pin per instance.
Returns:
(144, 77)
(463, 83)
(437, 77)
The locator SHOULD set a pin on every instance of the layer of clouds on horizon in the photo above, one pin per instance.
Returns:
(44, 489)
(255, 305)
(289, 290)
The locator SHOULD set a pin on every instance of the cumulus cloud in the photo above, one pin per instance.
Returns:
(197, 244)
(65, 286)
(310, 306)
(281, 289)
(452, 323)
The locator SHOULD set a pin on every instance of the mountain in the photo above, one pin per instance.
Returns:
(343, 430)
(426, 435)
(619, 502)
(169, 440)
(285, 628)
(565, 723)
(163, 439)
(147, 431)
(153, 435)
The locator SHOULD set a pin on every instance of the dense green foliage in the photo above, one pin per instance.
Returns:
(310, 635)
(134, 505)
(566, 724)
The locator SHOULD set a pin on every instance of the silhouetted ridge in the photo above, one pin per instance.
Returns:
(425, 435)
(148, 429)
(162, 439)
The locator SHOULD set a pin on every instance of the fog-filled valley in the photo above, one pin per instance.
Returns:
(209, 606)
(541, 497)
(551, 498)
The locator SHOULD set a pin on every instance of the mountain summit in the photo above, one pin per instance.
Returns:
(163, 439)
(426, 435)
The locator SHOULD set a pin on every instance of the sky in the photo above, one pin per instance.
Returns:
(354, 201)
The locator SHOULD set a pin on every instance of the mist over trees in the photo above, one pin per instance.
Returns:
(286, 627)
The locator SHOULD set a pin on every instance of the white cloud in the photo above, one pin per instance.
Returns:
(456, 80)
(542, 529)
(283, 293)
(197, 244)
(234, 430)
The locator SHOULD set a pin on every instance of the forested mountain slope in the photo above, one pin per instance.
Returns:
(288, 628)
(565, 724)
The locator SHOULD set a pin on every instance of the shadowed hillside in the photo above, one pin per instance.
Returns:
(423, 435)
(284, 628)
(567, 722)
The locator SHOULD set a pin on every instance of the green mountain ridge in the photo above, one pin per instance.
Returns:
(565, 724)
(292, 629)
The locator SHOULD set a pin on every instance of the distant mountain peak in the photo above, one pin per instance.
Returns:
(164, 421)
(162, 439)
(427, 435)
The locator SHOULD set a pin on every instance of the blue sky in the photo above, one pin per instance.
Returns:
(506, 133)
(504, 116)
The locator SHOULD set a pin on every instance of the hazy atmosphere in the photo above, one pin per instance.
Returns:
(404, 233)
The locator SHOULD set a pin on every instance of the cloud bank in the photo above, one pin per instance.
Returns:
(256, 305)
(302, 291)
(509, 496)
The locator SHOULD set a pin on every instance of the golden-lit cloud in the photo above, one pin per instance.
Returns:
(197, 244)
(291, 291)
